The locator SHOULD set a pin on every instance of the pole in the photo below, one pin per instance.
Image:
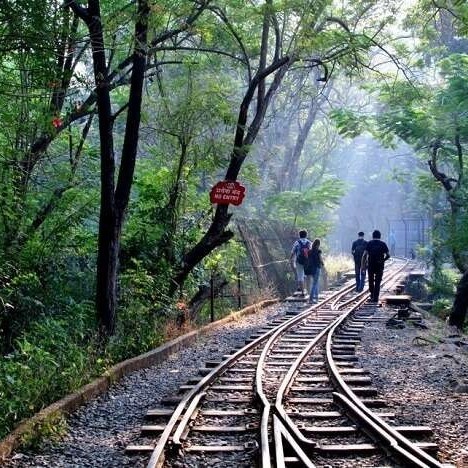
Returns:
(212, 298)
(239, 298)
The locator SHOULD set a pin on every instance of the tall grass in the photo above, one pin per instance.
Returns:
(335, 265)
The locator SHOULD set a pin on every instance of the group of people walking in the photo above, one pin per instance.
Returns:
(369, 257)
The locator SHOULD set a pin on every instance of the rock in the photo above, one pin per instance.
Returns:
(461, 388)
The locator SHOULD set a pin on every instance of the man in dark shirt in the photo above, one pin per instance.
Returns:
(374, 258)
(357, 249)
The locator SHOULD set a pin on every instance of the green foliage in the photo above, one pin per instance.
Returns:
(443, 282)
(458, 240)
(49, 210)
(430, 117)
(335, 265)
(441, 308)
(47, 361)
(308, 208)
(349, 123)
(139, 329)
(225, 260)
(51, 428)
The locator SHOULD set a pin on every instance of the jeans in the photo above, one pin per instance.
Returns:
(375, 278)
(314, 290)
(360, 277)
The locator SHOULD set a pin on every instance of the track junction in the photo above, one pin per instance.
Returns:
(292, 396)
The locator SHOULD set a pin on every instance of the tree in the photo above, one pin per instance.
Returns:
(430, 117)
(291, 34)
(114, 197)
(265, 40)
(38, 64)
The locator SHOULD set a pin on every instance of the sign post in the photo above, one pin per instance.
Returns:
(227, 192)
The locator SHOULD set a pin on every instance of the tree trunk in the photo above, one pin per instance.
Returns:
(203, 295)
(114, 199)
(245, 135)
(109, 235)
(216, 236)
(107, 270)
(452, 189)
(294, 157)
(170, 210)
(460, 305)
(108, 243)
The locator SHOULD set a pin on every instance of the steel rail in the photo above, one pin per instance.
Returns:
(186, 419)
(156, 458)
(279, 410)
(157, 455)
(288, 379)
(280, 431)
(389, 275)
(385, 430)
(190, 401)
(281, 329)
(372, 429)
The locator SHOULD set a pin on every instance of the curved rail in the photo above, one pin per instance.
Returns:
(189, 403)
(399, 445)
(288, 378)
(195, 394)
(355, 302)
(266, 407)
(272, 414)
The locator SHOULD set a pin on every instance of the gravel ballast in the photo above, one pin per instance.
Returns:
(423, 374)
(423, 379)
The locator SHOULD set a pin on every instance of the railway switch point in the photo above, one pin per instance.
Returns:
(223, 419)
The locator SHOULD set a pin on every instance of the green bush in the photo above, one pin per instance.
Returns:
(53, 428)
(336, 264)
(441, 308)
(443, 282)
(48, 361)
(138, 330)
(144, 305)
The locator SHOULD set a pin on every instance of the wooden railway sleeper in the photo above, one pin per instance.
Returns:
(329, 315)
(396, 444)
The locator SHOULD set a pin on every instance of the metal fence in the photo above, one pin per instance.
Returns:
(266, 266)
(406, 234)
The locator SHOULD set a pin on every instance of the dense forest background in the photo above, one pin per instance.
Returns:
(118, 117)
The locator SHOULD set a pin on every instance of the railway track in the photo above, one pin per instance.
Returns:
(292, 396)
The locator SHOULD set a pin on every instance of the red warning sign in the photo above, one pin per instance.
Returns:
(226, 192)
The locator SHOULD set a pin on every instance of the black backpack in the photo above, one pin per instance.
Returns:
(303, 254)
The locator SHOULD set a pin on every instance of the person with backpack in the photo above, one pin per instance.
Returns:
(313, 268)
(298, 259)
(374, 258)
(357, 249)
